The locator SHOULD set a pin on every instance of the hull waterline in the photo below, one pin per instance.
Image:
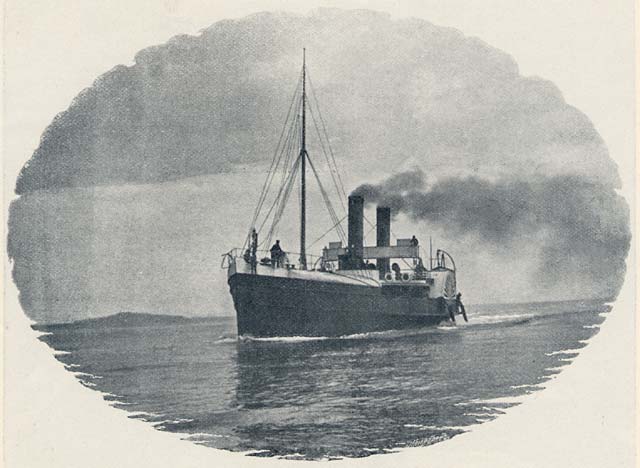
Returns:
(270, 306)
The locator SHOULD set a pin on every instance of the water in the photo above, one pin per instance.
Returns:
(329, 397)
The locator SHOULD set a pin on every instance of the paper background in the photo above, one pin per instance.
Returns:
(52, 50)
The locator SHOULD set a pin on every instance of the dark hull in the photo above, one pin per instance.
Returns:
(268, 306)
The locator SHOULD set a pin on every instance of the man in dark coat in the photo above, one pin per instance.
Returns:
(276, 254)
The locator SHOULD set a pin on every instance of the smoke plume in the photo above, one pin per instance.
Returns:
(580, 227)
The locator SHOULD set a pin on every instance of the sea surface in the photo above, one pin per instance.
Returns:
(307, 398)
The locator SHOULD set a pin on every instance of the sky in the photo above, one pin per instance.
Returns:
(124, 204)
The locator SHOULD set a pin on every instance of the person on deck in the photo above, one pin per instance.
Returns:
(414, 241)
(421, 271)
(253, 250)
(276, 254)
(460, 306)
(396, 269)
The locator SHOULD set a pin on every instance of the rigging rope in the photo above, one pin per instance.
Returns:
(327, 201)
(274, 162)
(324, 128)
(327, 231)
(324, 152)
(286, 176)
(283, 201)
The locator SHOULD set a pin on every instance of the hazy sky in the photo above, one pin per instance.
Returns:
(397, 95)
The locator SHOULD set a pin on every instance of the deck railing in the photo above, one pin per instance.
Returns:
(289, 260)
(408, 272)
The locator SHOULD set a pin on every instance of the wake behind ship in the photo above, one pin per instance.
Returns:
(350, 288)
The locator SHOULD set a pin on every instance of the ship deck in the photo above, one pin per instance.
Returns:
(355, 277)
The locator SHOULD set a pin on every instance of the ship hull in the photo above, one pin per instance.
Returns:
(270, 306)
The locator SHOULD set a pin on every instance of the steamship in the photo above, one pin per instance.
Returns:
(349, 288)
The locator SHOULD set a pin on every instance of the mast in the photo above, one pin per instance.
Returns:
(303, 160)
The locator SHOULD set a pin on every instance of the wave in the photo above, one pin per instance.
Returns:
(145, 416)
(430, 440)
(164, 422)
(564, 351)
(427, 427)
(482, 417)
(393, 333)
(474, 320)
(446, 327)
(532, 386)
(116, 403)
(482, 320)
(489, 402)
(226, 339)
(201, 435)
(546, 308)
(498, 319)
(355, 336)
(285, 339)
(82, 375)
